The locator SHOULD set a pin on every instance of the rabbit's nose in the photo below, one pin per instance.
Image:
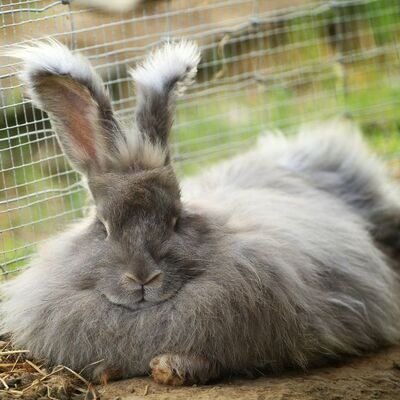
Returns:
(153, 278)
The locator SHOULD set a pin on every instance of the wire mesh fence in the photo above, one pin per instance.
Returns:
(266, 65)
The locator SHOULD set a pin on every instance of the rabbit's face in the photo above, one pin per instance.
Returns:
(150, 247)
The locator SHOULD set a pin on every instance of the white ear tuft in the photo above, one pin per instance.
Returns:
(172, 66)
(54, 58)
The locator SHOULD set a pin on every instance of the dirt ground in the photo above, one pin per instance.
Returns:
(372, 377)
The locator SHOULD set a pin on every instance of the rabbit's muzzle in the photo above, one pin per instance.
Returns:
(137, 291)
(144, 285)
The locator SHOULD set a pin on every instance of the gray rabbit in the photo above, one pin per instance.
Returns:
(282, 257)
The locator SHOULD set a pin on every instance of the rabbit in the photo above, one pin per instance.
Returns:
(265, 262)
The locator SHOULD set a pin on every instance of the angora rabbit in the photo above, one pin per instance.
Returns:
(281, 257)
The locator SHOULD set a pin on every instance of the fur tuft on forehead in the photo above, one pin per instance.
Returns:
(139, 152)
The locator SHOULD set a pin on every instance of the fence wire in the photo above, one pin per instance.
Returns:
(266, 65)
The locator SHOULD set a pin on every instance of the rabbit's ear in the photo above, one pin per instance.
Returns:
(162, 76)
(70, 91)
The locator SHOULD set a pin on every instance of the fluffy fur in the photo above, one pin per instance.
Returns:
(269, 260)
(54, 58)
(172, 62)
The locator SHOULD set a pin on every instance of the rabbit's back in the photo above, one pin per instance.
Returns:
(330, 156)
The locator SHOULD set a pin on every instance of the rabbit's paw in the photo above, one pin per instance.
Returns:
(166, 369)
(177, 370)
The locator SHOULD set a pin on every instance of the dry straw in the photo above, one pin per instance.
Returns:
(21, 378)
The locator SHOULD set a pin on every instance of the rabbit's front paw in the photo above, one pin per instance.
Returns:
(177, 370)
(166, 369)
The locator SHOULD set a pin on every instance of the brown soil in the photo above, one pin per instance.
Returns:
(372, 377)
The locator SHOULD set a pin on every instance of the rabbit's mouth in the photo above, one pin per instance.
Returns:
(132, 305)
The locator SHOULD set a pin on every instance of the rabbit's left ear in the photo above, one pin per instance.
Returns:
(70, 91)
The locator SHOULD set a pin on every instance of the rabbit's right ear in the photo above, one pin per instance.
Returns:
(72, 93)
